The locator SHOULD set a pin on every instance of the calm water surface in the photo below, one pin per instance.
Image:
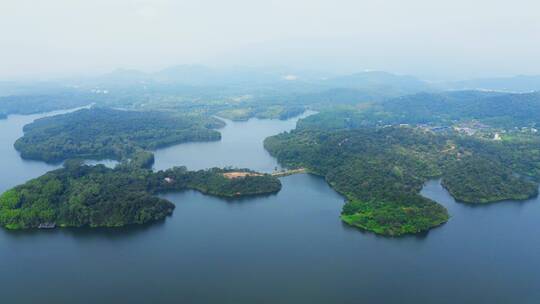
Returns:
(286, 248)
(241, 146)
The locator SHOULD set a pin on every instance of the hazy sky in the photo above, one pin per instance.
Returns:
(430, 38)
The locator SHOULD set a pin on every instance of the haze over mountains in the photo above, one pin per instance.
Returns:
(198, 75)
(339, 151)
(520, 83)
(301, 81)
(244, 92)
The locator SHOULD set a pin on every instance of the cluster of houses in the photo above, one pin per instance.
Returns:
(470, 128)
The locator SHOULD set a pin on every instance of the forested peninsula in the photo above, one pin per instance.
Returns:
(381, 170)
(99, 133)
(80, 195)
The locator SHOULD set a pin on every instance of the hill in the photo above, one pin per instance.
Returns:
(381, 171)
(447, 108)
(106, 133)
(78, 195)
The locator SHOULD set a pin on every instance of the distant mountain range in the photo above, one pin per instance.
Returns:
(517, 84)
(198, 75)
(271, 83)
(379, 81)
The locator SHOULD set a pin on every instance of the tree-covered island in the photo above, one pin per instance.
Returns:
(80, 195)
(99, 133)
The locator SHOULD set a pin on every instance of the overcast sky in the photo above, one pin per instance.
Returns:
(429, 38)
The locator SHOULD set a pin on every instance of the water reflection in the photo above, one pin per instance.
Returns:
(110, 233)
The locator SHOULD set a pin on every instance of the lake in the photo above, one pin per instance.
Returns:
(285, 248)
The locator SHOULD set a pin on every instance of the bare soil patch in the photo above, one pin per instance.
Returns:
(232, 175)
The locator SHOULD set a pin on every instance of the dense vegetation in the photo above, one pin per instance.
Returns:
(507, 110)
(446, 108)
(213, 182)
(381, 172)
(107, 133)
(478, 180)
(80, 195)
(373, 169)
(521, 155)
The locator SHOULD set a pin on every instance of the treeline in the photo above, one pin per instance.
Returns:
(382, 170)
(107, 133)
(480, 180)
(445, 108)
(79, 195)
(506, 110)
(96, 196)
